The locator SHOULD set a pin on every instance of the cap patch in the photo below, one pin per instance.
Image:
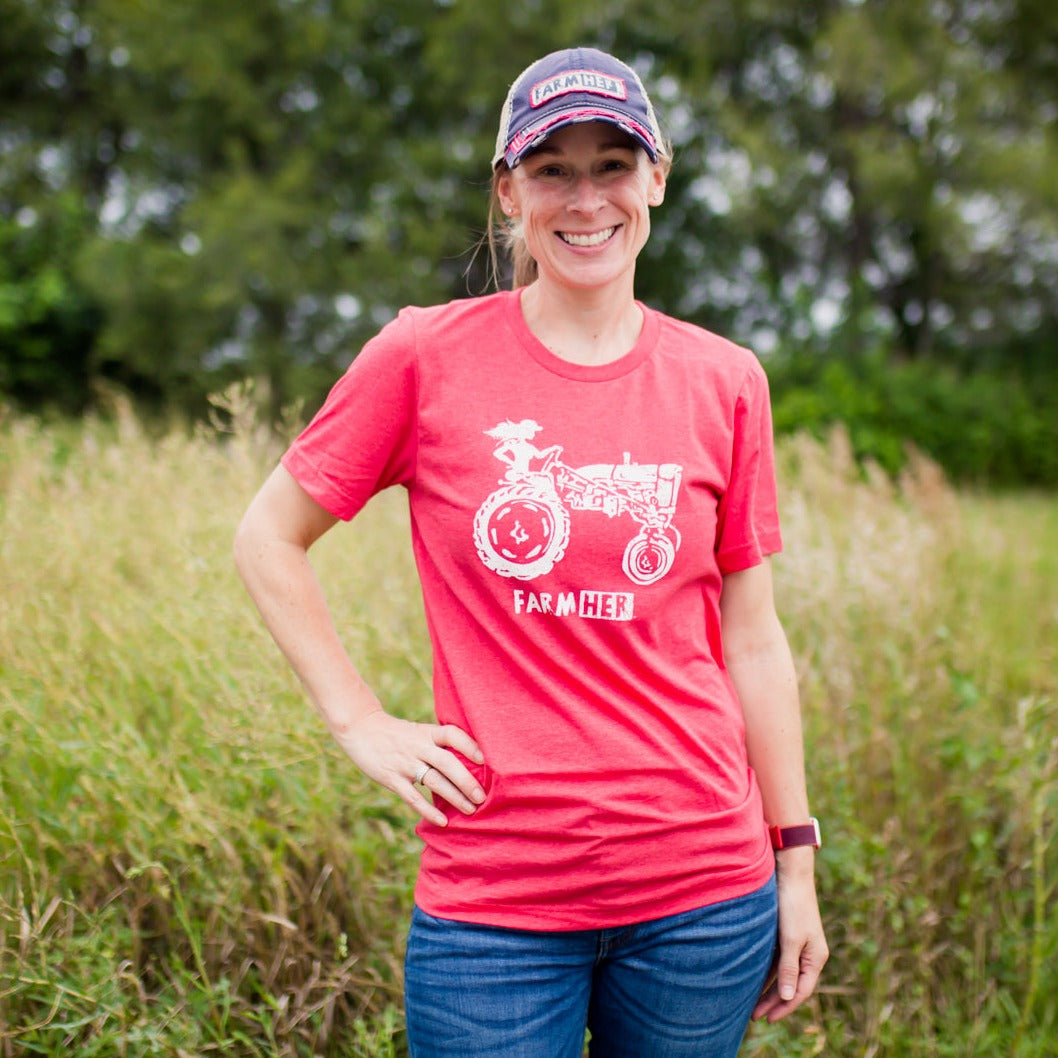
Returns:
(592, 81)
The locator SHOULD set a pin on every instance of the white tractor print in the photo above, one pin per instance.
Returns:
(522, 529)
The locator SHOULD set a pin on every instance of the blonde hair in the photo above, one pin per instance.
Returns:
(504, 236)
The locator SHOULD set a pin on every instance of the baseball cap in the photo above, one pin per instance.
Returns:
(576, 84)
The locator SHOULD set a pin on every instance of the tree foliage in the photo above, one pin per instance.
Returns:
(193, 191)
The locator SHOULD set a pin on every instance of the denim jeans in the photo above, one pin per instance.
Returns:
(676, 987)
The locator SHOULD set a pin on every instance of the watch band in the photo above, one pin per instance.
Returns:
(790, 837)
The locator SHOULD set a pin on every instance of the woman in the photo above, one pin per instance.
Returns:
(613, 798)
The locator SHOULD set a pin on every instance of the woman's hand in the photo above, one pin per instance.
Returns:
(802, 946)
(393, 751)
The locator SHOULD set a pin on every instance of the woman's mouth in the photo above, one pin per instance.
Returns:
(594, 239)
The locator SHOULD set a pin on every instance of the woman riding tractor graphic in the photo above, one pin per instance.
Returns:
(522, 529)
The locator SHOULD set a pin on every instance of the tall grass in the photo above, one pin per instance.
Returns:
(188, 866)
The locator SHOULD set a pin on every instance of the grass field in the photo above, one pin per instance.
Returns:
(188, 867)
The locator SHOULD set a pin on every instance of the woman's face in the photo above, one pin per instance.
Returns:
(584, 200)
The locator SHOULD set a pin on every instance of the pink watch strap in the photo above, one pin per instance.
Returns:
(790, 837)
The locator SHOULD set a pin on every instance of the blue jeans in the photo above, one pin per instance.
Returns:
(676, 987)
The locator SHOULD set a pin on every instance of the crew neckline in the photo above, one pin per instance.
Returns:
(645, 344)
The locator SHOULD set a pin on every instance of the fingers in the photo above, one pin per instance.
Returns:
(456, 738)
(423, 805)
(461, 790)
(400, 754)
(449, 777)
(796, 978)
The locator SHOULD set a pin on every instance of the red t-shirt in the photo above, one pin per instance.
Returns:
(571, 525)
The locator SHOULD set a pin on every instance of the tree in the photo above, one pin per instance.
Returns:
(258, 186)
(47, 320)
(881, 171)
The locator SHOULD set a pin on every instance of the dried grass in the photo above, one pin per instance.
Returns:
(187, 866)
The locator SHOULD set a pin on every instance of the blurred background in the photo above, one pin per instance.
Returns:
(866, 193)
(207, 207)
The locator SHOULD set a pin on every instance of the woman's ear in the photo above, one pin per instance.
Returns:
(656, 187)
(506, 195)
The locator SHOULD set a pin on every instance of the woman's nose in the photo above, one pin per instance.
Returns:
(586, 196)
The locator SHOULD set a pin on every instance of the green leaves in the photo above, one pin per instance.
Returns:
(262, 185)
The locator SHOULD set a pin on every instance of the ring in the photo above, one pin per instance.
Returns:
(421, 773)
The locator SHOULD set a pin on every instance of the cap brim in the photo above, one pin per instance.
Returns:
(528, 139)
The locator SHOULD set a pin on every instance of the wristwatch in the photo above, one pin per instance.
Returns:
(790, 837)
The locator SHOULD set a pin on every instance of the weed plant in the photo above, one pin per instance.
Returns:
(188, 866)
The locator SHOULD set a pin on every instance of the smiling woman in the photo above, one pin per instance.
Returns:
(572, 96)
(582, 201)
(618, 729)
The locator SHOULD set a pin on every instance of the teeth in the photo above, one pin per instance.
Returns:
(587, 240)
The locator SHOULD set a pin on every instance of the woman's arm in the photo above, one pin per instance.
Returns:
(271, 553)
(758, 659)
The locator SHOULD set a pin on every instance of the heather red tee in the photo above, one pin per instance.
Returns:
(571, 525)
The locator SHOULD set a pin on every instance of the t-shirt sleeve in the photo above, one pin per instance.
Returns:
(748, 525)
(363, 439)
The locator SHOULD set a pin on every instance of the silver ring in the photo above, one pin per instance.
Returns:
(421, 773)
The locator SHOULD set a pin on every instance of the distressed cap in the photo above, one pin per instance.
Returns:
(569, 86)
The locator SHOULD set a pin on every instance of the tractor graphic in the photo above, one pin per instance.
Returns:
(522, 529)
